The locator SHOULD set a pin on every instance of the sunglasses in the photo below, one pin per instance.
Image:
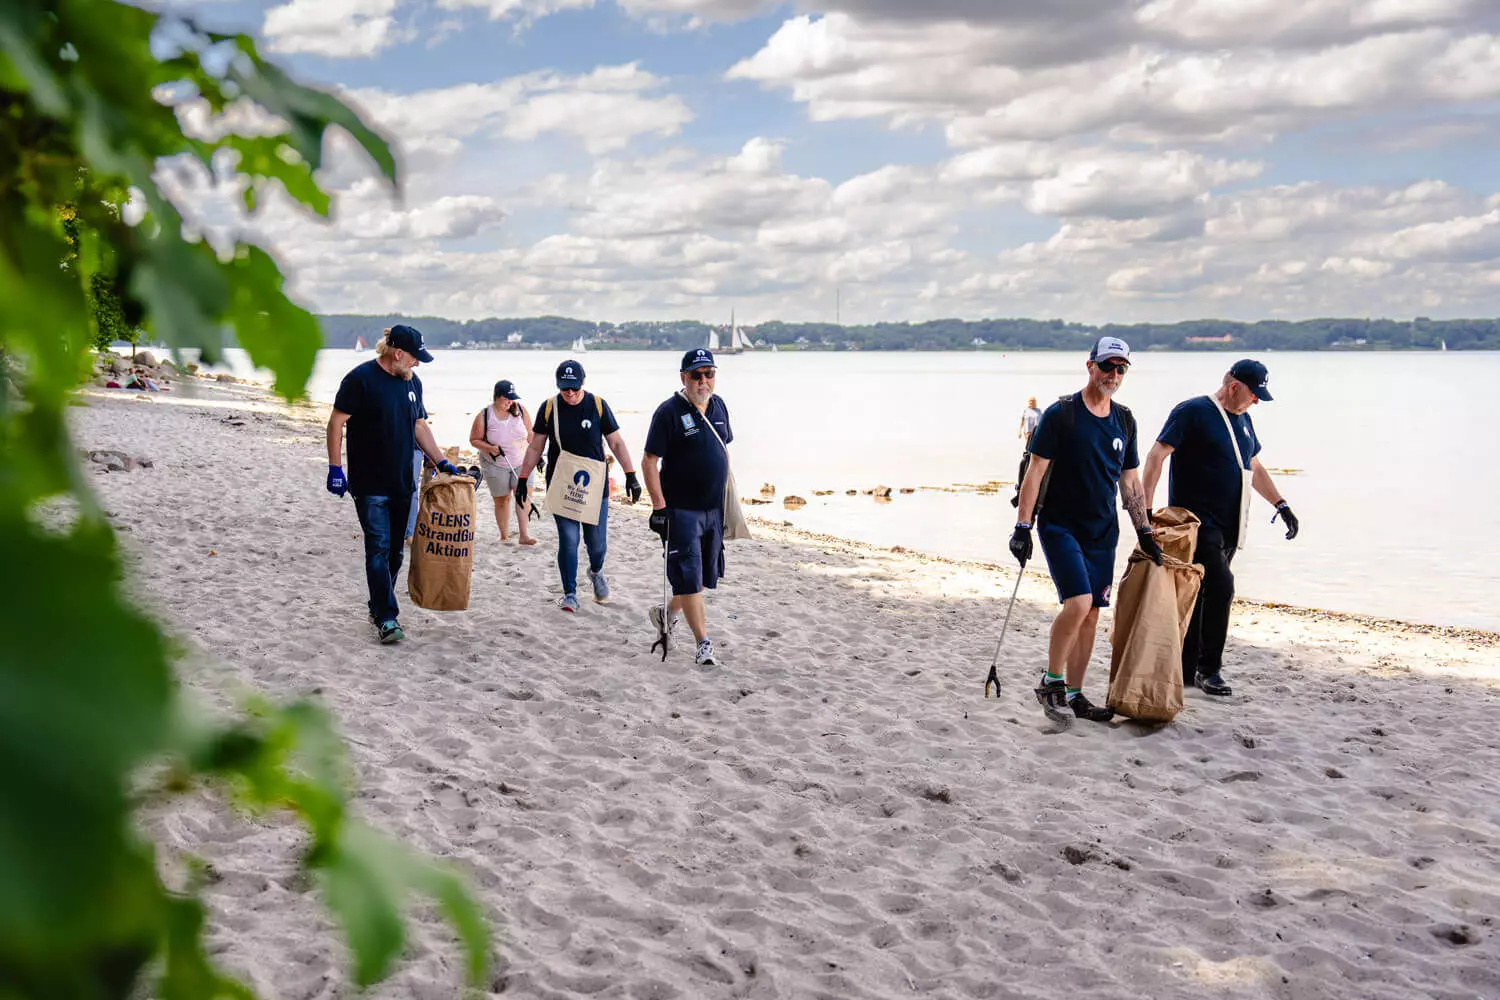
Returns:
(702, 376)
(1112, 367)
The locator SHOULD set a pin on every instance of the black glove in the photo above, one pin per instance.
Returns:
(1020, 543)
(632, 487)
(541, 463)
(521, 492)
(1148, 544)
(659, 521)
(1284, 511)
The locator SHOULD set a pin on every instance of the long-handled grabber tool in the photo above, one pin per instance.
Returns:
(664, 626)
(994, 678)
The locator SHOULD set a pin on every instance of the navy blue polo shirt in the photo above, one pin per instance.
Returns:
(1205, 477)
(1085, 471)
(582, 428)
(383, 413)
(695, 468)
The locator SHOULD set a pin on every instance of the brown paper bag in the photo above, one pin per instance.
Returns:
(442, 550)
(1153, 606)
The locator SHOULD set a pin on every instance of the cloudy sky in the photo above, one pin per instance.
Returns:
(1093, 160)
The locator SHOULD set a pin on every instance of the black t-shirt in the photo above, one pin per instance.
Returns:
(695, 467)
(1085, 470)
(383, 413)
(582, 428)
(1205, 477)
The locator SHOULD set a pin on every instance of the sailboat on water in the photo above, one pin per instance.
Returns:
(360, 345)
(578, 347)
(738, 342)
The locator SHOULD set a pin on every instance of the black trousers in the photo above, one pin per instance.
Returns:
(1203, 646)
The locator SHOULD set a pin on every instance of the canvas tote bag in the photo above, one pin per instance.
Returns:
(735, 527)
(442, 549)
(578, 484)
(1153, 606)
(1247, 477)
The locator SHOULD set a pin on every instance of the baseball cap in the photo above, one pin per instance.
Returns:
(698, 357)
(570, 375)
(409, 339)
(1110, 347)
(505, 388)
(1254, 375)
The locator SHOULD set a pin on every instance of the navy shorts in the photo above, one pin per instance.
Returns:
(1076, 570)
(695, 550)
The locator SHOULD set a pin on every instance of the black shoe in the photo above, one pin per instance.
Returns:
(1214, 684)
(1053, 696)
(1085, 709)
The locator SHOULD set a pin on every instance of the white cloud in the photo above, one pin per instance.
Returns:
(523, 11)
(604, 110)
(337, 28)
(1120, 185)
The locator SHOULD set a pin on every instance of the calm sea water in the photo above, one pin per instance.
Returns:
(1395, 485)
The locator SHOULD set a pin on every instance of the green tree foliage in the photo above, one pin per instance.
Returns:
(91, 716)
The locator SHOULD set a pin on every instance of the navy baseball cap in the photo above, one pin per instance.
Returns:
(505, 388)
(1110, 347)
(409, 339)
(570, 375)
(698, 357)
(1254, 375)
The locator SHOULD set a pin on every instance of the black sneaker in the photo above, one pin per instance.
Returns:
(1214, 684)
(1053, 696)
(1085, 709)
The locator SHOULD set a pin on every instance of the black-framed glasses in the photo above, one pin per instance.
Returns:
(1112, 367)
(702, 375)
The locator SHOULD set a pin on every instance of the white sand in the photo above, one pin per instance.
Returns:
(834, 811)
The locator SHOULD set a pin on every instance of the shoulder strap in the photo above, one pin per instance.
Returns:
(1128, 419)
(556, 435)
(547, 409)
(599, 405)
(486, 412)
(706, 420)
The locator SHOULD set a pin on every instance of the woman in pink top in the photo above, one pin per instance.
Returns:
(502, 433)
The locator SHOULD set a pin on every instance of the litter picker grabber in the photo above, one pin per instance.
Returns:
(994, 678)
(666, 603)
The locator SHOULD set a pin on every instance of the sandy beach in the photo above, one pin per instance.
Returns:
(834, 810)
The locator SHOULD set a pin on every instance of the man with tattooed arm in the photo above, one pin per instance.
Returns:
(1082, 454)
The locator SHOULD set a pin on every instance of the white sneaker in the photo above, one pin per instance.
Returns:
(705, 657)
(654, 613)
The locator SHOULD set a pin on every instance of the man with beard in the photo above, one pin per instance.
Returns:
(380, 402)
(1085, 448)
(1213, 445)
(690, 432)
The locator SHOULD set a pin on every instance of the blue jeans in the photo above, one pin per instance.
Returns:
(416, 477)
(383, 550)
(567, 546)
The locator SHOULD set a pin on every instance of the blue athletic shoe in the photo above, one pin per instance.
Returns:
(569, 603)
(601, 588)
(390, 631)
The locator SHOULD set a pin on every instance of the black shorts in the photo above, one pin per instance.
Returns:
(695, 550)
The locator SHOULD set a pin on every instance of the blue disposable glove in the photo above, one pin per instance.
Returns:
(337, 484)
(447, 467)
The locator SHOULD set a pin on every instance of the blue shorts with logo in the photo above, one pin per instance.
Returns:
(695, 550)
(1077, 570)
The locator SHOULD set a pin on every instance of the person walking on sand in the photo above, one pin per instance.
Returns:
(578, 424)
(1030, 417)
(690, 433)
(502, 433)
(1213, 446)
(1084, 449)
(380, 402)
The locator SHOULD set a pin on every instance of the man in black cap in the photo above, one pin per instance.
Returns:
(1213, 446)
(583, 423)
(380, 402)
(690, 432)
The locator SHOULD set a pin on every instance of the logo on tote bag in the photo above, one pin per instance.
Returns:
(581, 479)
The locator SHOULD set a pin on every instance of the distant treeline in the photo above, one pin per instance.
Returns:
(944, 334)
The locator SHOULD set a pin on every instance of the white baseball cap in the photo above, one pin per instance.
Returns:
(1110, 347)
